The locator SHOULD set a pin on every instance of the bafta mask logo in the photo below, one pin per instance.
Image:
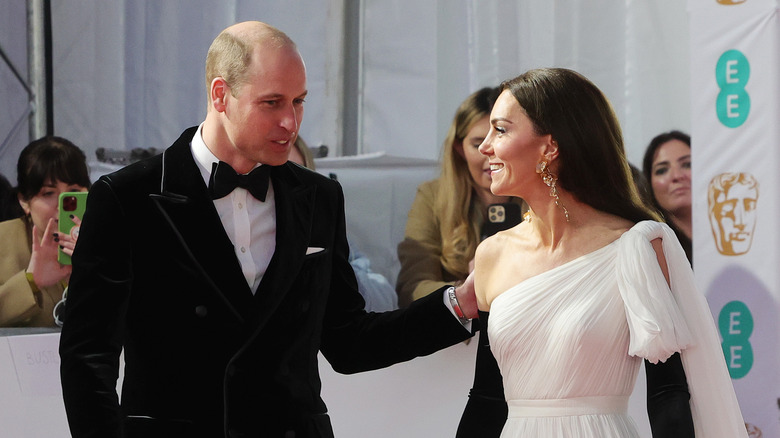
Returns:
(731, 2)
(732, 199)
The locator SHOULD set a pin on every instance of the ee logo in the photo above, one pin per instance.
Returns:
(736, 325)
(733, 103)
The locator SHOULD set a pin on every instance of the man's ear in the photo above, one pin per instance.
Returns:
(218, 93)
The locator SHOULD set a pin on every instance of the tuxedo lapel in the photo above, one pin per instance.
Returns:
(294, 215)
(184, 202)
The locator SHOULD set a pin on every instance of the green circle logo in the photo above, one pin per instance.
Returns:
(732, 73)
(735, 323)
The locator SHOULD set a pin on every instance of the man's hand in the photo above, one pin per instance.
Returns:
(467, 298)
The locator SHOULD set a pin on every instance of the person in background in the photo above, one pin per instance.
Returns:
(443, 230)
(446, 217)
(220, 270)
(590, 283)
(32, 281)
(301, 154)
(373, 286)
(667, 168)
(9, 203)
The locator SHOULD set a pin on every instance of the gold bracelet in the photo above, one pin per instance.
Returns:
(31, 280)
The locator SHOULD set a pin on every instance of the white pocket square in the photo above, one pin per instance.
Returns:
(314, 250)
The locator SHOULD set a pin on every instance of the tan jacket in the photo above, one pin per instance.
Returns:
(18, 306)
(420, 252)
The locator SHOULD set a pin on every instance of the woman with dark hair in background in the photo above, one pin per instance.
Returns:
(591, 282)
(32, 281)
(667, 169)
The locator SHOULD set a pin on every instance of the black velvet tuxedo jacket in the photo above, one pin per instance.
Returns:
(155, 274)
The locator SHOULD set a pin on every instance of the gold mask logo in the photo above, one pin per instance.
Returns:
(731, 2)
(732, 199)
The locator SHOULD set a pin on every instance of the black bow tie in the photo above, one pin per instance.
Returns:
(224, 180)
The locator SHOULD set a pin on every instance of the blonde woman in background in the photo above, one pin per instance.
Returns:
(442, 233)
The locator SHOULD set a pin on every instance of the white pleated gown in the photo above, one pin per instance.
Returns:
(570, 341)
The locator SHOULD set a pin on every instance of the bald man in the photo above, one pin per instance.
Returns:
(221, 269)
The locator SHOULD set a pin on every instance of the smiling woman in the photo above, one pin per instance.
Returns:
(445, 225)
(591, 283)
(667, 167)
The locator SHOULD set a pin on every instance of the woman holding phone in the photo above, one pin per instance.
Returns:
(446, 222)
(32, 281)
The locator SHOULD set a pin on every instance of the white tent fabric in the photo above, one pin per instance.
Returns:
(129, 74)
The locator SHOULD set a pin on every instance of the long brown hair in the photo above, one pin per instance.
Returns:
(461, 210)
(592, 160)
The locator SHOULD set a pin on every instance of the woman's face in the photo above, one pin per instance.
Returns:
(670, 176)
(43, 206)
(477, 163)
(512, 147)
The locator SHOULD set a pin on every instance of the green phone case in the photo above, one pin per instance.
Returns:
(70, 204)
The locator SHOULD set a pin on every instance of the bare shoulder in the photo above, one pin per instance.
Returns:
(496, 262)
(606, 229)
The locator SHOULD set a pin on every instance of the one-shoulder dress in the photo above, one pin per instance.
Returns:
(570, 341)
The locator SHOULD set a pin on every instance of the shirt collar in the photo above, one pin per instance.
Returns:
(204, 158)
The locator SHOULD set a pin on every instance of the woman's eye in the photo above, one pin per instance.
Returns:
(660, 171)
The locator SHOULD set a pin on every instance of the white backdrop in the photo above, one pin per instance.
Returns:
(736, 102)
(129, 74)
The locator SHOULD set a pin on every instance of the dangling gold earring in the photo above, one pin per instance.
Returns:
(551, 181)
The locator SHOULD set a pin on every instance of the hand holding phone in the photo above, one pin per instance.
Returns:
(501, 217)
(71, 210)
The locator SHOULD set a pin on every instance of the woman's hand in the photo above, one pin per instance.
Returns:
(68, 241)
(45, 268)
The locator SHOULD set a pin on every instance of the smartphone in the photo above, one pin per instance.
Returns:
(71, 204)
(501, 217)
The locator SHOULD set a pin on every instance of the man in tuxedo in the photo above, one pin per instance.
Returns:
(221, 297)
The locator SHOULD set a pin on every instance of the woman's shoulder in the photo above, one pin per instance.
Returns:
(429, 187)
(13, 227)
(502, 240)
(649, 230)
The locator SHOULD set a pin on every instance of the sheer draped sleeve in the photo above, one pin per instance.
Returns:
(664, 320)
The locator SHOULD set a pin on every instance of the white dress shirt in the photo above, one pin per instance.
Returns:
(249, 223)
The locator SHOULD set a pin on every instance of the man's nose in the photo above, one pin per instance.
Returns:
(289, 119)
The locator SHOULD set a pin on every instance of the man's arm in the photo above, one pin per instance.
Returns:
(355, 341)
(91, 339)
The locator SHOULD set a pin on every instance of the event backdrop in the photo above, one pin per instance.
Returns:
(735, 66)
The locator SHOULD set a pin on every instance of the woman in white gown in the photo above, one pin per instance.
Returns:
(589, 284)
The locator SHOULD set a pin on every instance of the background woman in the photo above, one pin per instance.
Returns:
(444, 227)
(590, 283)
(31, 279)
(667, 168)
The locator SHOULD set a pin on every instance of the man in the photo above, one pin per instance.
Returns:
(221, 301)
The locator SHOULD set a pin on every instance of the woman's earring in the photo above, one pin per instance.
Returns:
(551, 181)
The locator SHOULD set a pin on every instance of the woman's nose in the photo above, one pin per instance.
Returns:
(484, 147)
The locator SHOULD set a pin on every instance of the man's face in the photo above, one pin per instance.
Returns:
(263, 118)
(733, 219)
